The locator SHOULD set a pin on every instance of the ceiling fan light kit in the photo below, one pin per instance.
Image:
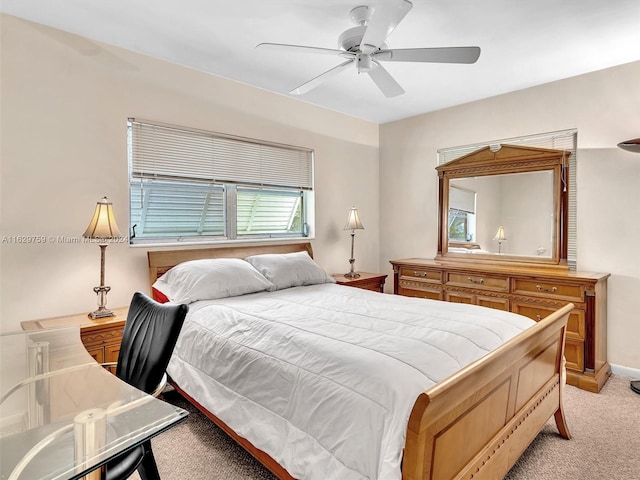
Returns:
(364, 46)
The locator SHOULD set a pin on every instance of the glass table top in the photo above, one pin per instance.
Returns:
(61, 414)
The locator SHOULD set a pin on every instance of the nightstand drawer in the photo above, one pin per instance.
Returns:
(100, 337)
(371, 284)
(364, 280)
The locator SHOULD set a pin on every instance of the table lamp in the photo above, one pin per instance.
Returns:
(102, 227)
(353, 224)
(500, 237)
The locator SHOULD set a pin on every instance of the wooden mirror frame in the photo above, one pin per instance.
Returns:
(506, 159)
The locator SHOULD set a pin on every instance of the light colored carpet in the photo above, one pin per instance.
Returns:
(605, 444)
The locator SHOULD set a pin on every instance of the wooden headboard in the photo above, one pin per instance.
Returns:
(162, 260)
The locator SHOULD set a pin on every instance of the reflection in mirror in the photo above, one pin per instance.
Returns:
(462, 214)
(521, 203)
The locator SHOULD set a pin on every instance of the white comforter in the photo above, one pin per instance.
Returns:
(323, 378)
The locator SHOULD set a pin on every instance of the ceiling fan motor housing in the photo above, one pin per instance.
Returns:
(351, 38)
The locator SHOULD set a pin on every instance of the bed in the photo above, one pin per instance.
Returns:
(474, 423)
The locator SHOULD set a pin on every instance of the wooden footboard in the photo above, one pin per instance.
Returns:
(476, 423)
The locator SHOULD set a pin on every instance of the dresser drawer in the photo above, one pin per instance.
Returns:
(430, 293)
(575, 322)
(574, 354)
(549, 289)
(460, 297)
(479, 281)
(493, 302)
(432, 276)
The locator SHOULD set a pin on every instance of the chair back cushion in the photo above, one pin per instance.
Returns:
(148, 340)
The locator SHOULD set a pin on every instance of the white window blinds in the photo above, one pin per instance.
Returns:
(462, 199)
(195, 186)
(160, 151)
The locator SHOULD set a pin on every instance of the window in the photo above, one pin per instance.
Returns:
(194, 186)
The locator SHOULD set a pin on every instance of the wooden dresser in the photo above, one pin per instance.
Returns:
(529, 291)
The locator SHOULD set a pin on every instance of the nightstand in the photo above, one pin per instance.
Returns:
(366, 281)
(101, 337)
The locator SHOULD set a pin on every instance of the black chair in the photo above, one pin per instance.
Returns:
(148, 340)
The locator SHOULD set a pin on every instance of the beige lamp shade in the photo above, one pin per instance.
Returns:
(353, 220)
(500, 236)
(103, 224)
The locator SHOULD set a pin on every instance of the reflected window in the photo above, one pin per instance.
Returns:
(459, 225)
(462, 214)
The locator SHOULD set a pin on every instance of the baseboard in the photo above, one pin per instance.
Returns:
(625, 371)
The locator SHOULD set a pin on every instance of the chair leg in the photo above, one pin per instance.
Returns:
(148, 469)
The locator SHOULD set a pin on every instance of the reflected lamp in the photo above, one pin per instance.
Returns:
(500, 237)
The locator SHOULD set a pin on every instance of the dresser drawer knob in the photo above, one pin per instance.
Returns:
(542, 289)
(419, 274)
(473, 280)
(539, 317)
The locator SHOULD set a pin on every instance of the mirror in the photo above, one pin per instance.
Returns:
(521, 203)
(506, 205)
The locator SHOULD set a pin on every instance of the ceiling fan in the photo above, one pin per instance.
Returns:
(364, 46)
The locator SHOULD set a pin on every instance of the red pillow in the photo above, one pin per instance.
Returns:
(158, 296)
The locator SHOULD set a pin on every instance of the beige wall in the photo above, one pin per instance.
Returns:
(65, 103)
(605, 108)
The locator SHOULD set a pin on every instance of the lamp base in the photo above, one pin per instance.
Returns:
(101, 313)
(352, 275)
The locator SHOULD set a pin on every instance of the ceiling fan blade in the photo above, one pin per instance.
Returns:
(323, 77)
(283, 47)
(435, 55)
(385, 82)
(385, 18)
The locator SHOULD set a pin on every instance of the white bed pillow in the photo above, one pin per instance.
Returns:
(209, 279)
(286, 270)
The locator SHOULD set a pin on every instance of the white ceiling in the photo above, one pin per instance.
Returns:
(524, 43)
